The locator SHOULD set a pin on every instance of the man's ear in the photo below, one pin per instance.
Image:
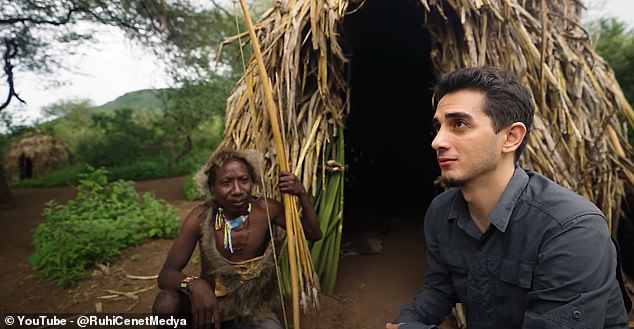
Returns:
(515, 134)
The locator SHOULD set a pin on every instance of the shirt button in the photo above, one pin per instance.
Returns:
(576, 314)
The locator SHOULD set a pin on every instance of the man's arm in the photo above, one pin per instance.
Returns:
(574, 281)
(435, 300)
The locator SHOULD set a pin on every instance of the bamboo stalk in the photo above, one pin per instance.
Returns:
(286, 198)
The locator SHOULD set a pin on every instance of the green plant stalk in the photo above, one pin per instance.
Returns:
(325, 253)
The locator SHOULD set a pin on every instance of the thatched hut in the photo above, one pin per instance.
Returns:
(34, 155)
(361, 72)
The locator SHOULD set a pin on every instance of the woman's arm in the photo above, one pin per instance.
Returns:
(289, 183)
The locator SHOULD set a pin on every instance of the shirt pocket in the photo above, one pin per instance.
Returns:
(517, 273)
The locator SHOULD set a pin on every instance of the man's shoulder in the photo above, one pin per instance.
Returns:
(560, 203)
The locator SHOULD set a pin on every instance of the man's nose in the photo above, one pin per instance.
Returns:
(439, 141)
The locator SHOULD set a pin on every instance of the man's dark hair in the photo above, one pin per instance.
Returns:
(507, 100)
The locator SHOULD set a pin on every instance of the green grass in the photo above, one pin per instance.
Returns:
(140, 169)
(64, 176)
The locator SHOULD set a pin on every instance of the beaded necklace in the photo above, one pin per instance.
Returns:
(227, 225)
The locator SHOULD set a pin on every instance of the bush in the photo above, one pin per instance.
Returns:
(94, 228)
(64, 176)
(191, 193)
(145, 168)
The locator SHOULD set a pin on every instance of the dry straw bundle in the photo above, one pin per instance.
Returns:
(579, 135)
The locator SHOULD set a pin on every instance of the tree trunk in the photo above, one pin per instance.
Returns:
(6, 198)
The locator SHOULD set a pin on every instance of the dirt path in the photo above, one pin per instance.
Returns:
(370, 288)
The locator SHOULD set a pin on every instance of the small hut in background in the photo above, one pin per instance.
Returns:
(34, 155)
(352, 82)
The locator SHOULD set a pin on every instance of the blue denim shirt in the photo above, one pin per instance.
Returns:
(546, 261)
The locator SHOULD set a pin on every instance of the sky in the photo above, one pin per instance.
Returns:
(114, 66)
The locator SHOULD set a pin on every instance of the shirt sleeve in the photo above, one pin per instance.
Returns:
(435, 300)
(574, 281)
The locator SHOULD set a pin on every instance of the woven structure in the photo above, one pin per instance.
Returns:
(40, 153)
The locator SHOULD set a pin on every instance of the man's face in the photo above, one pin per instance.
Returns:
(232, 187)
(466, 144)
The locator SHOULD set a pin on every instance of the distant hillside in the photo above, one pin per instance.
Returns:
(147, 99)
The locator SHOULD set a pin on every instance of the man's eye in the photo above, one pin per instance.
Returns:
(460, 124)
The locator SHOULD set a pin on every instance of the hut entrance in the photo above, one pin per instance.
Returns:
(26, 167)
(391, 165)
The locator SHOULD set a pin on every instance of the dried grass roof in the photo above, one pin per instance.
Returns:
(45, 152)
(579, 135)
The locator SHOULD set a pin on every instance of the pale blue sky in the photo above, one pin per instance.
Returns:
(114, 66)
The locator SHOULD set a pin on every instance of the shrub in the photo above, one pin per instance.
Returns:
(61, 177)
(143, 168)
(94, 228)
(191, 193)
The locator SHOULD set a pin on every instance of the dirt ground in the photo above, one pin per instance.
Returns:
(369, 291)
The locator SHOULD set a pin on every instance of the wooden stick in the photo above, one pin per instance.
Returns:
(281, 155)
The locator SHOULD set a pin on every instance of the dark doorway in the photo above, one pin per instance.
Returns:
(26, 167)
(391, 165)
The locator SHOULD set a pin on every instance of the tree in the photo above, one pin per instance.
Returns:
(187, 107)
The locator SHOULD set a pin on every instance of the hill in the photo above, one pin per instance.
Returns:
(146, 99)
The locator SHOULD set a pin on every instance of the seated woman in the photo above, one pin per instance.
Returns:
(236, 285)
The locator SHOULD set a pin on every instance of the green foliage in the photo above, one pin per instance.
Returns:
(73, 125)
(94, 228)
(191, 193)
(147, 99)
(143, 168)
(124, 139)
(65, 176)
(141, 143)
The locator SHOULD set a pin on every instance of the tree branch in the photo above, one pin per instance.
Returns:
(10, 53)
(221, 8)
(61, 21)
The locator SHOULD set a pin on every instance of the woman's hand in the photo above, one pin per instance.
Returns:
(289, 183)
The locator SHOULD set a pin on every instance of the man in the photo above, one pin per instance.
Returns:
(518, 250)
(237, 285)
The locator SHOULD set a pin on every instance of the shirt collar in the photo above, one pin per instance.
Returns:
(503, 209)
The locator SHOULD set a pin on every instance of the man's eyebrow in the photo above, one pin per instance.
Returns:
(458, 115)
(452, 115)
